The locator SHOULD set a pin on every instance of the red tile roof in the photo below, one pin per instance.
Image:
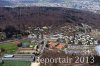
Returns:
(60, 46)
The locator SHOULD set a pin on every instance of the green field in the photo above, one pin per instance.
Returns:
(9, 47)
(16, 63)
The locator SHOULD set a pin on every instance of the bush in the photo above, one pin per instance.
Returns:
(2, 50)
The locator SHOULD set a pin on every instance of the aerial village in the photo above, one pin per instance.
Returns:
(27, 49)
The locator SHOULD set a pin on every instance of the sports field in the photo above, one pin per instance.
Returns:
(16, 63)
(9, 47)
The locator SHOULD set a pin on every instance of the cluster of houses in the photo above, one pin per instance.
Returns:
(55, 41)
(80, 50)
(56, 45)
(82, 39)
(83, 44)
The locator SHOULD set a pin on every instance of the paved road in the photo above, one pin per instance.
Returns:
(4, 42)
(43, 48)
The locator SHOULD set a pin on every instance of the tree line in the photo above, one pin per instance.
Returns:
(11, 32)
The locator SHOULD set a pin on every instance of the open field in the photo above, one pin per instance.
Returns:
(9, 47)
(16, 63)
